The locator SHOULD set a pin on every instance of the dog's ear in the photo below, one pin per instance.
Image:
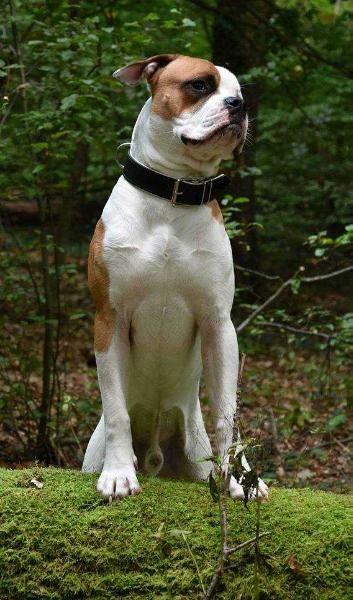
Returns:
(148, 68)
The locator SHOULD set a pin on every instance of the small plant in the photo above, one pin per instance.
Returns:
(219, 479)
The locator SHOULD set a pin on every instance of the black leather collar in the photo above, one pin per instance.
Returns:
(177, 191)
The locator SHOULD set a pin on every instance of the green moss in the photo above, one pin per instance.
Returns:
(64, 542)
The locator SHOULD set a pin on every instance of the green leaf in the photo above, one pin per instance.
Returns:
(241, 200)
(335, 421)
(188, 23)
(38, 169)
(58, 134)
(69, 101)
(295, 285)
(40, 146)
(77, 315)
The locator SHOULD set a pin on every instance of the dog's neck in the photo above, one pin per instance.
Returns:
(154, 145)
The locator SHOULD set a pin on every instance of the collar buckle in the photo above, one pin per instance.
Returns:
(206, 194)
(176, 192)
(203, 200)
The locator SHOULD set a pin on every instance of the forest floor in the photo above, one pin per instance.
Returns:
(295, 402)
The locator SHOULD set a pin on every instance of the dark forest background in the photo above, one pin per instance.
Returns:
(289, 214)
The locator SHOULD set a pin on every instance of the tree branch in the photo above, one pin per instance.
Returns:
(262, 307)
(284, 285)
(325, 336)
(327, 275)
(259, 273)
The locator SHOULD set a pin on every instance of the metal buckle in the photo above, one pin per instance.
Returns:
(176, 193)
(210, 181)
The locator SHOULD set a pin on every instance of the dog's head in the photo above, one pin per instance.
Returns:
(201, 105)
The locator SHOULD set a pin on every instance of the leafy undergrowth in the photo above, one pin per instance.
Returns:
(64, 542)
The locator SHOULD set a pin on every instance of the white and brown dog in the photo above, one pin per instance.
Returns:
(162, 279)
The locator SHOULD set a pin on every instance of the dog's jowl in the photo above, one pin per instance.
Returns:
(161, 275)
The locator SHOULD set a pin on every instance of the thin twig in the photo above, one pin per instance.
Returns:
(224, 517)
(214, 582)
(247, 543)
(219, 570)
(257, 543)
(282, 287)
(259, 273)
(329, 443)
(341, 445)
(236, 436)
(326, 275)
(325, 336)
(264, 305)
(222, 501)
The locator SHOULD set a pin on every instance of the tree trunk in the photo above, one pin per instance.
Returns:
(43, 450)
(74, 197)
(239, 43)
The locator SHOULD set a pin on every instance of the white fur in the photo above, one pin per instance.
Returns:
(172, 285)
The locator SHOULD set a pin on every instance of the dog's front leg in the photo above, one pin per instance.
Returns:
(221, 361)
(118, 477)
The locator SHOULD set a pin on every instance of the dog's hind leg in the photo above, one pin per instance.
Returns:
(94, 456)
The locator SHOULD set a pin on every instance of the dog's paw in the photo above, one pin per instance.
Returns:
(236, 491)
(118, 483)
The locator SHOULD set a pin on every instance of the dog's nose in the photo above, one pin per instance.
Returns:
(234, 102)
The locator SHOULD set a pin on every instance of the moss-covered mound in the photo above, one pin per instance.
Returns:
(62, 541)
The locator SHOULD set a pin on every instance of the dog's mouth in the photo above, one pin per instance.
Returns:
(231, 128)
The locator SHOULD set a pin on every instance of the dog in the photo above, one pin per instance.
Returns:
(160, 270)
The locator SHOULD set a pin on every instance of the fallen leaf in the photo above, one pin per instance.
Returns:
(294, 565)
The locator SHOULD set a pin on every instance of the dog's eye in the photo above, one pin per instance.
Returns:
(199, 85)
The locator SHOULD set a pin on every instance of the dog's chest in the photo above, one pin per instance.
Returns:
(152, 249)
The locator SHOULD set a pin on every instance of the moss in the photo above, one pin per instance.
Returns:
(64, 542)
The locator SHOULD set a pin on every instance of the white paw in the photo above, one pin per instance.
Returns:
(118, 483)
(236, 490)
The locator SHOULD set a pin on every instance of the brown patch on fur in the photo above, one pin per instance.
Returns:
(98, 283)
(170, 99)
(216, 211)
